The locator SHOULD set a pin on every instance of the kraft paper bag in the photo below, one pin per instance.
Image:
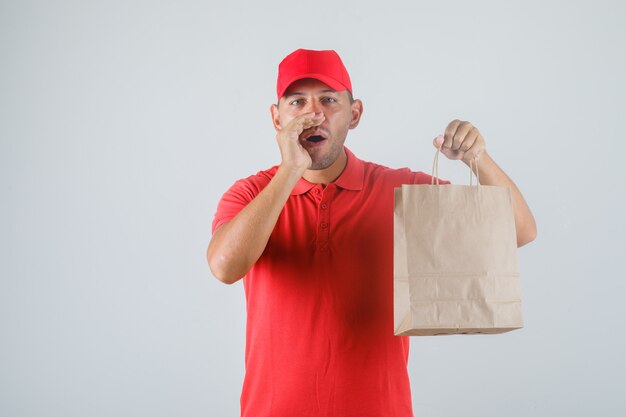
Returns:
(455, 260)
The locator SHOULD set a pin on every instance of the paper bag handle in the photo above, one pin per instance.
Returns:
(435, 172)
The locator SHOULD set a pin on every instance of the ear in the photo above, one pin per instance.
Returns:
(275, 117)
(356, 108)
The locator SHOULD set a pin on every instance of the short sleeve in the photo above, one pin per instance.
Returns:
(239, 195)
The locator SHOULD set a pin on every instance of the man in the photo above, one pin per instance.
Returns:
(313, 238)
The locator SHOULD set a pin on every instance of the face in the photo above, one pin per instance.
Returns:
(324, 143)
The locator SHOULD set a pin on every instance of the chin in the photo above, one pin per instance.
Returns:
(322, 163)
(319, 166)
(325, 160)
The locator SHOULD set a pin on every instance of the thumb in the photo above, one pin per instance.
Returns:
(438, 141)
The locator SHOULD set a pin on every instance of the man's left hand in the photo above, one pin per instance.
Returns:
(461, 140)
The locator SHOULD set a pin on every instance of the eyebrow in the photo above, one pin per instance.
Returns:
(298, 93)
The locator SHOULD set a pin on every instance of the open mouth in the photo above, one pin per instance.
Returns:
(315, 139)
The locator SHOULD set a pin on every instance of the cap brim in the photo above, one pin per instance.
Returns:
(332, 83)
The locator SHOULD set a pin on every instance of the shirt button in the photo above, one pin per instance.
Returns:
(324, 225)
(324, 206)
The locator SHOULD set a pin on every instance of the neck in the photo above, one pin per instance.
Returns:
(330, 174)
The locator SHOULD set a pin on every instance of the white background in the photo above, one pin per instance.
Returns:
(123, 122)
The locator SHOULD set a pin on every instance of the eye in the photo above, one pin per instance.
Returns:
(329, 100)
(295, 102)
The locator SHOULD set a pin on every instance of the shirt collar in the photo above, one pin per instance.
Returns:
(350, 179)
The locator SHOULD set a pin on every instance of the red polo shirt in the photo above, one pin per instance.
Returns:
(319, 338)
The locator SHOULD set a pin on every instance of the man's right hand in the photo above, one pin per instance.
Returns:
(293, 154)
(238, 244)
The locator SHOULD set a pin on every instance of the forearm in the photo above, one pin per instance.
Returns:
(491, 174)
(238, 244)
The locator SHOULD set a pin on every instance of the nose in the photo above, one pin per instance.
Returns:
(313, 106)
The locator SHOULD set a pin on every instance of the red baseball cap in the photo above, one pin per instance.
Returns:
(325, 66)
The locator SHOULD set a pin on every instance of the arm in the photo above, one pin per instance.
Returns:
(463, 141)
(491, 174)
(238, 244)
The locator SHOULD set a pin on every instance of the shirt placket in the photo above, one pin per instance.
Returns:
(323, 222)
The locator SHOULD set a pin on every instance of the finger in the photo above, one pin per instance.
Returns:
(307, 116)
(460, 135)
(316, 120)
(450, 154)
(438, 141)
(311, 117)
(306, 121)
(476, 150)
(449, 133)
(469, 140)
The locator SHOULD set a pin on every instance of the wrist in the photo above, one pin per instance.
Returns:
(482, 157)
(291, 171)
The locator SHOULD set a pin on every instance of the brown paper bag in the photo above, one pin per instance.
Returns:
(455, 260)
